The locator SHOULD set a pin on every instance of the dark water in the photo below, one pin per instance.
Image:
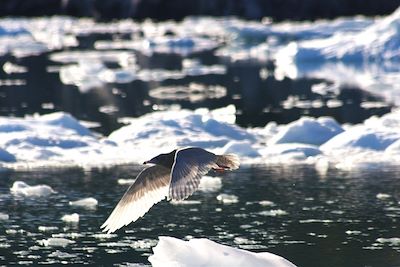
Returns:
(333, 219)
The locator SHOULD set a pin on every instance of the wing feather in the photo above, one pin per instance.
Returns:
(189, 166)
(149, 188)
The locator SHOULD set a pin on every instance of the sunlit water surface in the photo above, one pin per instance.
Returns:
(312, 219)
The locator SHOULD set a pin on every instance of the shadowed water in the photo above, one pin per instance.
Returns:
(311, 218)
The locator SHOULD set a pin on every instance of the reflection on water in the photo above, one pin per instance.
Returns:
(338, 219)
(258, 95)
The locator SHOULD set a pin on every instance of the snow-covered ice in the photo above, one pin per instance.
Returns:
(58, 139)
(171, 251)
(20, 188)
(307, 131)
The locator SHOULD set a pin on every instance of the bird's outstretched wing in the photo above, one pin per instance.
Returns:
(149, 188)
(189, 166)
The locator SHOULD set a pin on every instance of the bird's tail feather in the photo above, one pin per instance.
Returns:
(228, 161)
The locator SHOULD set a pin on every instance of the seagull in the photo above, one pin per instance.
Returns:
(175, 175)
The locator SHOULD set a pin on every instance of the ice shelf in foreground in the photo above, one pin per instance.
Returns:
(196, 252)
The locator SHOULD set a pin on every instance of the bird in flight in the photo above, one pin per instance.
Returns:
(175, 175)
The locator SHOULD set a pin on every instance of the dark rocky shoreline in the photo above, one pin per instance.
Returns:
(278, 10)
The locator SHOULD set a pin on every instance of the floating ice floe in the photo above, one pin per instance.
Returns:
(10, 68)
(4, 216)
(88, 202)
(125, 181)
(58, 139)
(70, 218)
(307, 131)
(227, 198)
(183, 128)
(56, 242)
(20, 188)
(273, 213)
(203, 252)
(47, 228)
(382, 196)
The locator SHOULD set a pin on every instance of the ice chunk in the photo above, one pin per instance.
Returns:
(383, 196)
(88, 202)
(227, 198)
(125, 181)
(66, 121)
(55, 242)
(203, 252)
(240, 148)
(4, 216)
(10, 68)
(185, 202)
(104, 236)
(266, 203)
(22, 189)
(273, 213)
(70, 218)
(47, 228)
(394, 241)
(362, 137)
(308, 131)
(291, 152)
(61, 255)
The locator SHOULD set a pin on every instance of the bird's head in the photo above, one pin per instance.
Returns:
(163, 159)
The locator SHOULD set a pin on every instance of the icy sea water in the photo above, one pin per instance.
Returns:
(312, 219)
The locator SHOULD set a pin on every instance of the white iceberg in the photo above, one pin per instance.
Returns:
(307, 130)
(378, 42)
(367, 59)
(203, 252)
(362, 137)
(183, 128)
(20, 188)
